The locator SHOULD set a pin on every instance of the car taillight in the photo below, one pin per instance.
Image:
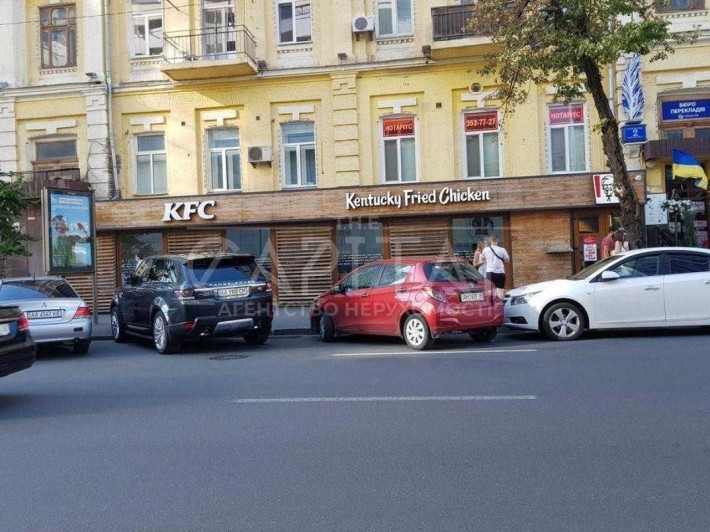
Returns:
(184, 293)
(82, 312)
(23, 323)
(434, 294)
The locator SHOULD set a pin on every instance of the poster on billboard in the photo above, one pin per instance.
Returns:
(69, 226)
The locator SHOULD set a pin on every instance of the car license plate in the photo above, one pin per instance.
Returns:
(40, 314)
(233, 292)
(471, 296)
(4, 329)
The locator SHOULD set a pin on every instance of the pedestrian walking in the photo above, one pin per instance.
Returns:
(478, 260)
(495, 257)
(608, 242)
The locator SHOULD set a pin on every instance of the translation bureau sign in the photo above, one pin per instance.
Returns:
(409, 198)
(686, 109)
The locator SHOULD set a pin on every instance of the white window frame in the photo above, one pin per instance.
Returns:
(480, 134)
(145, 18)
(294, 8)
(298, 145)
(568, 128)
(152, 154)
(396, 31)
(383, 152)
(223, 161)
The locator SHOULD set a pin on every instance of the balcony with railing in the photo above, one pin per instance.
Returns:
(209, 53)
(33, 182)
(451, 32)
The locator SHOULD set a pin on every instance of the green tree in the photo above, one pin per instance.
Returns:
(566, 44)
(12, 205)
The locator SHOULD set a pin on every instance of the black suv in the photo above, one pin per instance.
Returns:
(174, 298)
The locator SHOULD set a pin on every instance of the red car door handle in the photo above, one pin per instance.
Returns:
(402, 289)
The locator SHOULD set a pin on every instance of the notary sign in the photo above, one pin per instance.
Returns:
(183, 210)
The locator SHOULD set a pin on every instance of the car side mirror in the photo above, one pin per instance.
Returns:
(337, 289)
(609, 276)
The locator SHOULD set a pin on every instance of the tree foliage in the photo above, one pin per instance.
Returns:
(12, 205)
(566, 44)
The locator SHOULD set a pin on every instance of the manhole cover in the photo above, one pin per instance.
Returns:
(228, 357)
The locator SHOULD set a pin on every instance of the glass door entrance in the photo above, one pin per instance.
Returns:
(589, 228)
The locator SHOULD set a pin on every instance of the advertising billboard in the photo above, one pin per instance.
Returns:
(68, 231)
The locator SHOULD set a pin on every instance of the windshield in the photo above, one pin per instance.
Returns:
(35, 289)
(451, 272)
(224, 270)
(592, 268)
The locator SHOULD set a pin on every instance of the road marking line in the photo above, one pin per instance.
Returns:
(387, 399)
(383, 353)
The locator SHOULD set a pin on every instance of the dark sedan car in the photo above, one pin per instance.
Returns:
(175, 298)
(17, 349)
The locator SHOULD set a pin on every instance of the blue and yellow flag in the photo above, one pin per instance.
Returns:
(688, 167)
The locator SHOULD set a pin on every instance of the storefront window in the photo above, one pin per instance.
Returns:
(359, 242)
(138, 244)
(468, 231)
(253, 240)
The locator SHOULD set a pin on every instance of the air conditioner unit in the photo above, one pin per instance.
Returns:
(363, 24)
(259, 154)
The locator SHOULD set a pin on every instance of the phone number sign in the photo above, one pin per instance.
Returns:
(480, 121)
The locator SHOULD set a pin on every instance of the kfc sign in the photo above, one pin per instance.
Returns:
(398, 127)
(480, 121)
(183, 210)
(604, 189)
(560, 115)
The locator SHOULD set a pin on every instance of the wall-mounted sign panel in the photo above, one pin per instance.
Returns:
(685, 110)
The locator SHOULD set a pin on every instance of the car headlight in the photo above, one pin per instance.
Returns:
(520, 300)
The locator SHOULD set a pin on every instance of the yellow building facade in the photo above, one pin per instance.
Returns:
(286, 126)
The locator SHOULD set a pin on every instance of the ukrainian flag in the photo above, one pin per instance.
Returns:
(688, 167)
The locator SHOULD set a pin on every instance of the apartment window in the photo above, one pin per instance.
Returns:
(482, 144)
(680, 5)
(58, 36)
(147, 28)
(299, 154)
(400, 152)
(151, 165)
(294, 21)
(567, 138)
(394, 17)
(54, 150)
(225, 159)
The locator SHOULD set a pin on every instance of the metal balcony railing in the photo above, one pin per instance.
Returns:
(212, 44)
(33, 182)
(451, 22)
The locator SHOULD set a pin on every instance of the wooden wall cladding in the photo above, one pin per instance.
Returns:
(83, 283)
(181, 241)
(305, 256)
(105, 270)
(411, 238)
(506, 195)
(531, 234)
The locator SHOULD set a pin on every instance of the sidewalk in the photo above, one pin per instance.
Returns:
(287, 320)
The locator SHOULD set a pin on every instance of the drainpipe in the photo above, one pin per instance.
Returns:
(109, 99)
(612, 89)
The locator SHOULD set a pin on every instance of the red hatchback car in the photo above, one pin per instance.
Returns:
(415, 298)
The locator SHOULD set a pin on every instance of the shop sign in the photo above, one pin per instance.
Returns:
(604, 189)
(686, 109)
(480, 121)
(183, 210)
(409, 198)
(589, 246)
(565, 114)
(633, 133)
(398, 127)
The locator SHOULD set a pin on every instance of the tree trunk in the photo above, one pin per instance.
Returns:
(631, 211)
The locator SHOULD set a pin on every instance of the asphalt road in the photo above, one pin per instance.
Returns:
(608, 433)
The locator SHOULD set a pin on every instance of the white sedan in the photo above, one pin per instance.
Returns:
(651, 287)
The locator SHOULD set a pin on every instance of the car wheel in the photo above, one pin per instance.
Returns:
(326, 328)
(484, 335)
(258, 337)
(81, 347)
(118, 330)
(563, 321)
(416, 332)
(161, 335)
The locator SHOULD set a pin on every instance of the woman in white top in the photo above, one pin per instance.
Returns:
(495, 257)
(478, 261)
